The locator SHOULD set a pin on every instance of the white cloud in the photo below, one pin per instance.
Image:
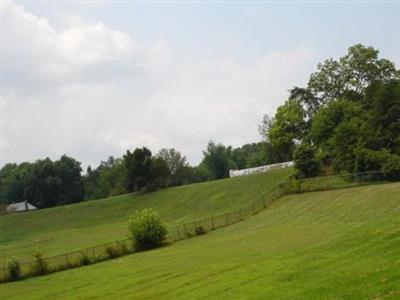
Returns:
(91, 91)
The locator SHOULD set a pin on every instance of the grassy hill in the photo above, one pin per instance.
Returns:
(74, 227)
(340, 244)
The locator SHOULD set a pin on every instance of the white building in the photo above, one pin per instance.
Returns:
(261, 169)
(20, 206)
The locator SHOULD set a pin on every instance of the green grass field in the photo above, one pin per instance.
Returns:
(340, 244)
(74, 227)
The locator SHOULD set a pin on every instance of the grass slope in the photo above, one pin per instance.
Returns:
(341, 244)
(74, 227)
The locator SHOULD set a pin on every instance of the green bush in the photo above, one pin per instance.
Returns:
(40, 266)
(14, 269)
(147, 229)
(122, 248)
(305, 161)
(200, 230)
(84, 260)
(391, 167)
(113, 252)
(384, 161)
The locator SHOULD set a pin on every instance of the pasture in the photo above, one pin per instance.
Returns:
(73, 227)
(340, 244)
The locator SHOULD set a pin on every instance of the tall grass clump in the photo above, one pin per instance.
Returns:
(14, 269)
(146, 229)
(40, 266)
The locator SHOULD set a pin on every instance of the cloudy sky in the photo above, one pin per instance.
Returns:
(95, 78)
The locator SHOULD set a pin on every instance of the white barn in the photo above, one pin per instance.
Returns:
(20, 206)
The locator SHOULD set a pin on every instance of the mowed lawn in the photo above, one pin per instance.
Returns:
(341, 244)
(74, 227)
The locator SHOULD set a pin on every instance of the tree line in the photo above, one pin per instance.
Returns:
(346, 119)
(46, 183)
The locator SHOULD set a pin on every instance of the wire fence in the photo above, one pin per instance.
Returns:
(184, 231)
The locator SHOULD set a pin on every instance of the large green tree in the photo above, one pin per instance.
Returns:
(108, 179)
(218, 160)
(177, 166)
(288, 128)
(349, 75)
(138, 166)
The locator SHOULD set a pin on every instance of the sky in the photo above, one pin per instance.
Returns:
(92, 79)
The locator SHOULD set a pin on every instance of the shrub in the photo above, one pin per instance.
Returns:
(305, 161)
(40, 266)
(84, 260)
(200, 230)
(384, 161)
(391, 167)
(113, 252)
(14, 269)
(122, 248)
(147, 229)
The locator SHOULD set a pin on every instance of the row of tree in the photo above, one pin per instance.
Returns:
(47, 183)
(44, 183)
(347, 118)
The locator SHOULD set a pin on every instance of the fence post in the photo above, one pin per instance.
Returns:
(186, 233)
(177, 230)
(263, 200)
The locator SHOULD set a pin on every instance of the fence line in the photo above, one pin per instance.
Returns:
(187, 230)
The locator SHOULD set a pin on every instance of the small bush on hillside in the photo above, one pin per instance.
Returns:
(147, 229)
(113, 252)
(305, 161)
(200, 230)
(391, 168)
(14, 269)
(40, 266)
(84, 260)
(384, 161)
(122, 248)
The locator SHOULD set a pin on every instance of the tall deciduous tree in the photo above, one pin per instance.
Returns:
(138, 166)
(288, 128)
(349, 75)
(177, 165)
(217, 160)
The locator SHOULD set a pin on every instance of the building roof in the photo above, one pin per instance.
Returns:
(20, 206)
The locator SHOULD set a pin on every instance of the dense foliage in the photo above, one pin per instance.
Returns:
(43, 183)
(348, 114)
(14, 269)
(147, 229)
(305, 161)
